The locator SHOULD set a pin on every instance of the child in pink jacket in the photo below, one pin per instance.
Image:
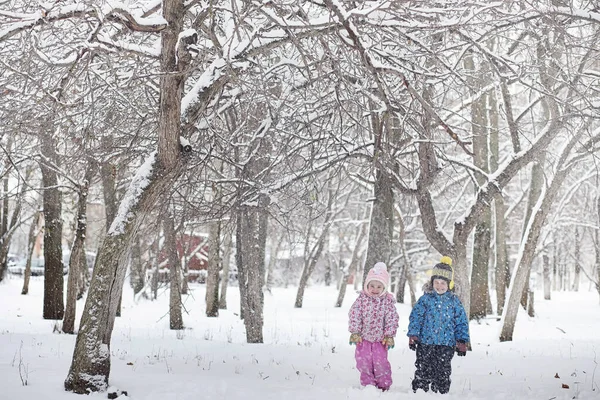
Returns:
(373, 321)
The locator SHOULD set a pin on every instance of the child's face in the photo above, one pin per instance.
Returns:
(375, 288)
(440, 286)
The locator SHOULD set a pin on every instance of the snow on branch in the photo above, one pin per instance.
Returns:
(115, 12)
(132, 197)
(105, 43)
(214, 71)
(590, 16)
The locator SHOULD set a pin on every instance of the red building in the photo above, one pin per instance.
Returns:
(192, 250)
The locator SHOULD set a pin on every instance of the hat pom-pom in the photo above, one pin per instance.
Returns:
(379, 267)
(446, 260)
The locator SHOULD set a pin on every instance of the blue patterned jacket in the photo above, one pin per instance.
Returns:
(439, 319)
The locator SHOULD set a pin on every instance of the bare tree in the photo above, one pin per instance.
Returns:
(52, 206)
(8, 226)
(482, 237)
(313, 251)
(77, 259)
(355, 260)
(175, 317)
(577, 260)
(214, 267)
(547, 277)
(153, 180)
(227, 247)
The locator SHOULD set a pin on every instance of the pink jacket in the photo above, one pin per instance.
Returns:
(373, 317)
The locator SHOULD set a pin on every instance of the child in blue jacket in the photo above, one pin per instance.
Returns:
(437, 327)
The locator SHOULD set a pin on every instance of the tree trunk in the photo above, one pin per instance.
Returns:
(214, 266)
(528, 247)
(5, 192)
(185, 287)
(547, 278)
(405, 276)
(251, 240)
(239, 262)
(11, 228)
(481, 242)
(342, 288)
(354, 261)
(381, 223)
(90, 367)
(577, 261)
(155, 268)
(480, 270)
(108, 175)
(310, 263)
(34, 231)
(4, 206)
(597, 248)
(555, 261)
(313, 256)
(175, 317)
(273, 260)
(535, 189)
(138, 273)
(501, 267)
(77, 259)
(53, 265)
(501, 270)
(226, 262)
(530, 305)
(327, 258)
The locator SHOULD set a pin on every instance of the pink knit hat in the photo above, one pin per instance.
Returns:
(378, 273)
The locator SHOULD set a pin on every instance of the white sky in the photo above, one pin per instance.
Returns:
(305, 356)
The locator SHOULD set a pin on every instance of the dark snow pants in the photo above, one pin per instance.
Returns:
(433, 368)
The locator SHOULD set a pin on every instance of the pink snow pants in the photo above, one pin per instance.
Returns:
(373, 365)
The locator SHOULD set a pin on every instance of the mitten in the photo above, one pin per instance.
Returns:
(354, 338)
(461, 348)
(388, 342)
(412, 342)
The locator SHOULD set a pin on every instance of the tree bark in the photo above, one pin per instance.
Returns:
(597, 247)
(577, 260)
(381, 223)
(108, 175)
(175, 317)
(547, 278)
(214, 266)
(481, 241)
(4, 206)
(155, 267)
(406, 271)
(314, 254)
(34, 231)
(352, 267)
(535, 189)
(52, 203)
(501, 269)
(138, 273)
(273, 260)
(251, 240)
(11, 228)
(529, 243)
(77, 259)
(226, 262)
(555, 262)
(90, 368)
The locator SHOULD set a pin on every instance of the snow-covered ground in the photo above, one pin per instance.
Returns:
(305, 355)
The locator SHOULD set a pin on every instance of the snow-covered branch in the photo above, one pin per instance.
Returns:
(118, 13)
